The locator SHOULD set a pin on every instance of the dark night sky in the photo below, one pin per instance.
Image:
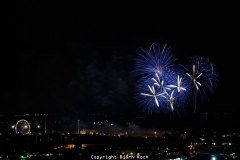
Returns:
(66, 57)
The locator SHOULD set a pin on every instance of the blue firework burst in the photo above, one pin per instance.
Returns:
(160, 87)
(156, 59)
(203, 78)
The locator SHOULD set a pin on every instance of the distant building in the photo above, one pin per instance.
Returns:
(88, 131)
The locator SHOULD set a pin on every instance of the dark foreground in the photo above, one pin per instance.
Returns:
(59, 147)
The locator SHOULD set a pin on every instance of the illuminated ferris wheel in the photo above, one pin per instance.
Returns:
(22, 127)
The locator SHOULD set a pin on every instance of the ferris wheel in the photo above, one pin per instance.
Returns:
(22, 127)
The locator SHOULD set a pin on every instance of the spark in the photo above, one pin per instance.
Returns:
(157, 81)
(160, 83)
(170, 99)
(178, 86)
(194, 77)
(153, 94)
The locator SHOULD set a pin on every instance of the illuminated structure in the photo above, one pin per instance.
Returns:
(22, 127)
(78, 127)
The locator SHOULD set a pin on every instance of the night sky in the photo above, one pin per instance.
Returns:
(62, 57)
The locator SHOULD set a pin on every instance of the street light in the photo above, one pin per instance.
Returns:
(13, 127)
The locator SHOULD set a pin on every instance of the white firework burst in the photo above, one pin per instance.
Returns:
(153, 94)
(178, 86)
(194, 77)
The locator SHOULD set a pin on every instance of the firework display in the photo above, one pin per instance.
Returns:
(164, 86)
